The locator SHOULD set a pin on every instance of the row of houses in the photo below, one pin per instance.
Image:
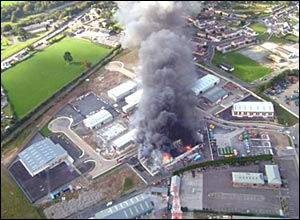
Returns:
(235, 43)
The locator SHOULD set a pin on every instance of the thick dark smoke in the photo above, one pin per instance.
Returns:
(167, 109)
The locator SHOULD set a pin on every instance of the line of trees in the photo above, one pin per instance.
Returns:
(22, 9)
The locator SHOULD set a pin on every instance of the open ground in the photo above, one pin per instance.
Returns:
(36, 79)
(245, 68)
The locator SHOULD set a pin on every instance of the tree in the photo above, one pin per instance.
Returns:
(68, 57)
(86, 64)
(6, 28)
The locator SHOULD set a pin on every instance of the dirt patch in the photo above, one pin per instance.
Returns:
(278, 140)
(130, 58)
(105, 188)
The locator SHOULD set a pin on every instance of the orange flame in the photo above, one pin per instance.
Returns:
(189, 147)
(166, 158)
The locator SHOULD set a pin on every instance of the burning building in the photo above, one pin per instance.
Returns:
(166, 111)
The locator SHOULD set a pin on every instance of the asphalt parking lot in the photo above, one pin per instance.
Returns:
(191, 190)
(68, 111)
(220, 195)
(43, 183)
(88, 103)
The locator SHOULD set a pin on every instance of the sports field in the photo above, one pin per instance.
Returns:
(5, 3)
(34, 80)
(245, 68)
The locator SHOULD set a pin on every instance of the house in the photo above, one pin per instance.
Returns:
(224, 47)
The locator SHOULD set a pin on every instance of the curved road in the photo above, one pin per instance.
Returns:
(63, 124)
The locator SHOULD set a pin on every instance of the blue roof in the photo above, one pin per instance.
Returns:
(40, 154)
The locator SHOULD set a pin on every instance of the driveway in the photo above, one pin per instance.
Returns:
(62, 124)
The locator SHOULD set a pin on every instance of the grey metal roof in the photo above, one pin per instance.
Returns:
(40, 154)
(205, 83)
(162, 190)
(272, 174)
(214, 94)
(253, 178)
(129, 209)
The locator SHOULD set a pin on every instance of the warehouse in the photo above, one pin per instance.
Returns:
(132, 208)
(122, 142)
(121, 91)
(215, 95)
(134, 97)
(42, 155)
(273, 176)
(205, 83)
(98, 119)
(253, 109)
(129, 107)
(247, 179)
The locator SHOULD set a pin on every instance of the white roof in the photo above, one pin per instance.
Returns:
(129, 107)
(124, 139)
(253, 107)
(122, 89)
(205, 83)
(253, 178)
(97, 118)
(272, 174)
(134, 97)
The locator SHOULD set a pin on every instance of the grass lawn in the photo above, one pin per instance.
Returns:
(14, 204)
(34, 80)
(4, 42)
(5, 3)
(284, 39)
(245, 68)
(128, 184)
(262, 37)
(45, 130)
(259, 28)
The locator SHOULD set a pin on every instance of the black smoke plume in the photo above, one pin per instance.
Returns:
(167, 110)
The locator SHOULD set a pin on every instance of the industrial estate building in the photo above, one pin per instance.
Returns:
(132, 101)
(247, 179)
(42, 155)
(132, 208)
(253, 109)
(121, 91)
(124, 141)
(272, 178)
(215, 95)
(98, 119)
(205, 83)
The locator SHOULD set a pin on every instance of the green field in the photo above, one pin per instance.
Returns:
(245, 68)
(4, 43)
(5, 3)
(14, 204)
(34, 80)
(258, 27)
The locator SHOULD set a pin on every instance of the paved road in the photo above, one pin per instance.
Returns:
(62, 124)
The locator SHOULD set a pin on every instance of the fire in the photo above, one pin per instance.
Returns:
(166, 158)
(189, 147)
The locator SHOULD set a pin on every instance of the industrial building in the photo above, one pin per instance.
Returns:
(132, 101)
(215, 95)
(205, 83)
(247, 179)
(98, 119)
(174, 190)
(253, 109)
(273, 176)
(120, 92)
(124, 141)
(42, 155)
(132, 208)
